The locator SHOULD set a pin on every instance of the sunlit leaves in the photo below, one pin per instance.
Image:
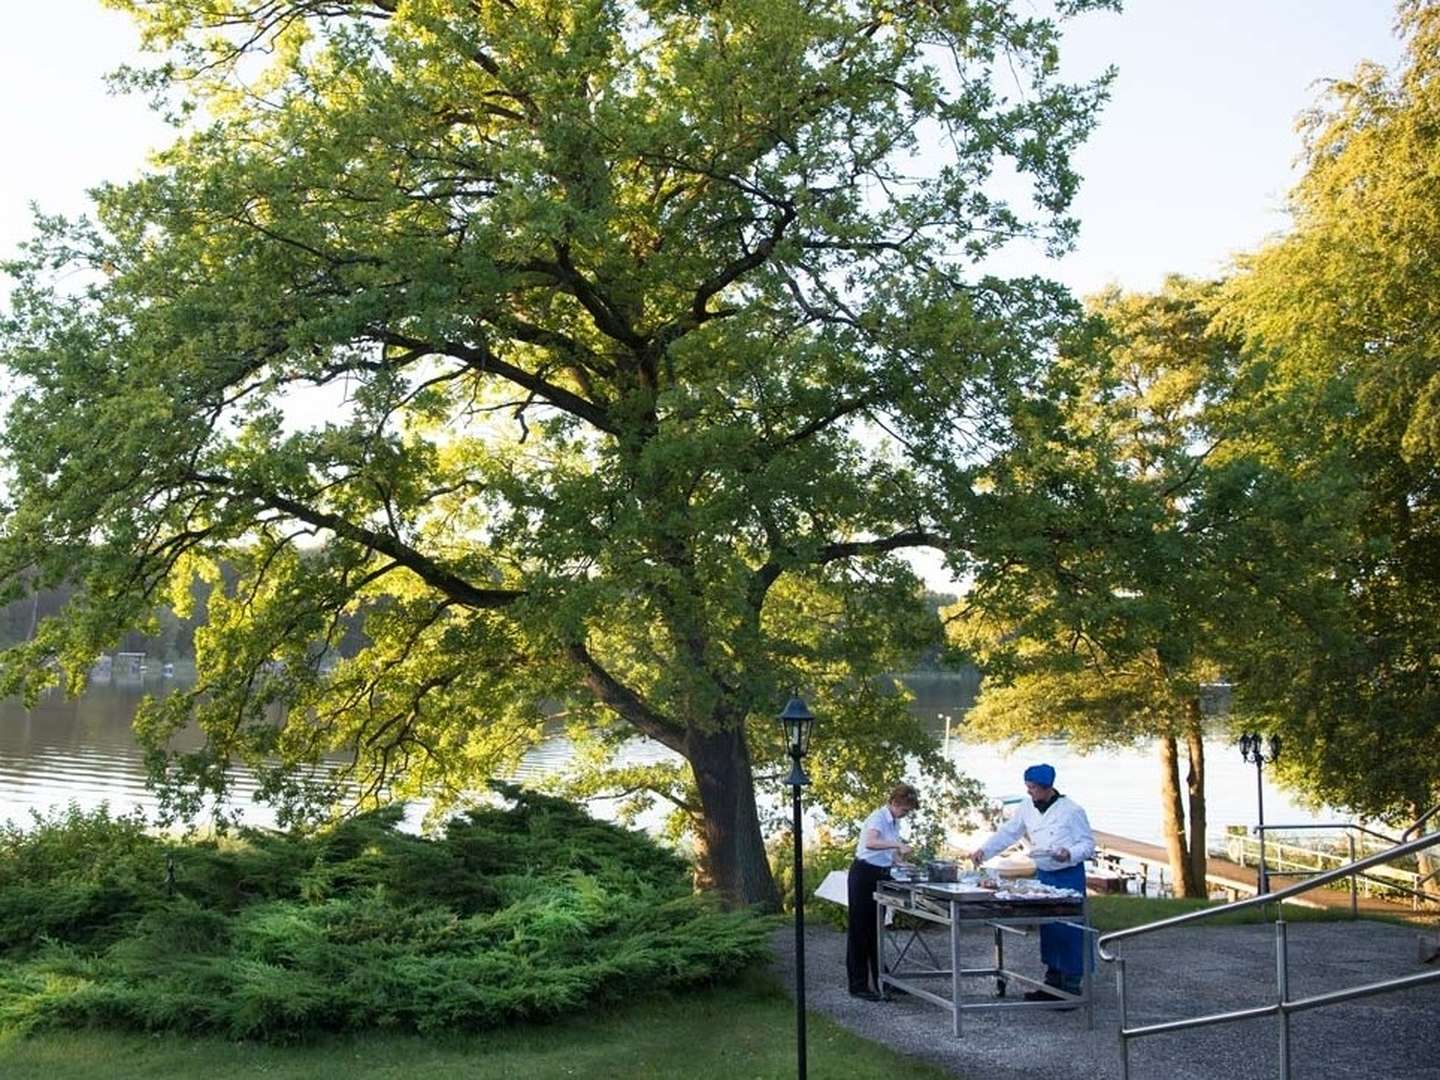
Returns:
(546, 355)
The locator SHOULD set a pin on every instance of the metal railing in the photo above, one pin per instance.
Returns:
(1284, 1005)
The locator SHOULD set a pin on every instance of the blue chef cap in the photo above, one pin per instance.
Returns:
(1044, 775)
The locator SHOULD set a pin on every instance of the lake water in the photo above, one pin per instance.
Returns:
(81, 750)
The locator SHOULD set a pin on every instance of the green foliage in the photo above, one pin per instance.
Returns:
(73, 876)
(1156, 547)
(1122, 586)
(820, 859)
(1339, 313)
(525, 912)
(571, 347)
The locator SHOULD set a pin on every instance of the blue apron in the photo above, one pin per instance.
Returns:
(1062, 948)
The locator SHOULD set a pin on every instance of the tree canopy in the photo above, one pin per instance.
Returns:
(601, 356)
(1134, 548)
(1240, 484)
(1342, 313)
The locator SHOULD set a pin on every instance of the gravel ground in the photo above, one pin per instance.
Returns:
(1171, 975)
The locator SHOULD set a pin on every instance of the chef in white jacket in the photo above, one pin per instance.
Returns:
(1061, 841)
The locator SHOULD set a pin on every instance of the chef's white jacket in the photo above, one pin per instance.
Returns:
(1064, 825)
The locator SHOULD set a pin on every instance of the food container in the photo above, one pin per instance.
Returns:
(942, 870)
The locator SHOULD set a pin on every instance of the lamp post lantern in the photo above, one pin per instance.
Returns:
(797, 722)
(1253, 749)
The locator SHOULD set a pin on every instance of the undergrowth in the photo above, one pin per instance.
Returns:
(516, 913)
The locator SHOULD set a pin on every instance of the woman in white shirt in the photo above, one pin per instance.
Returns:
(1060, 835)
(879, 848)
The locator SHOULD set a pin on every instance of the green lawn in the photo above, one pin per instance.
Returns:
(737, 1033)
(1119, 912)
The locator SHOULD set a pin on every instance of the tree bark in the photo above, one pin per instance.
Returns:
(730, 849)
(1173, 818)
(1427, 862)
(1195, 791)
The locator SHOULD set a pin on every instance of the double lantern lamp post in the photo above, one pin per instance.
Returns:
(1253, 749)
(797, 722)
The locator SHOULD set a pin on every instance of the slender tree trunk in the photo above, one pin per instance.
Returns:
(1427, 862)
(1195, 790)
(1173, 818)
(730, 850)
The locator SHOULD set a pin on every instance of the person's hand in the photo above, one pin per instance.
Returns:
(977, 857)
(1062, 854)
(904, 851)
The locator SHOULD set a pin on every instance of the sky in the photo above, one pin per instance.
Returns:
(1193, 156)
(1188, 167)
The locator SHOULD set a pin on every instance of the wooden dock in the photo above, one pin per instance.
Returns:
(1239, 881)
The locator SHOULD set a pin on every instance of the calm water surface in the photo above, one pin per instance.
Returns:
(81, 750)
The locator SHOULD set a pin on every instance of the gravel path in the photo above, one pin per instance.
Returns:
(1174, 974)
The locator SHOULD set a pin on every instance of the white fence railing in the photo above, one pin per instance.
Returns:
(1285, 855)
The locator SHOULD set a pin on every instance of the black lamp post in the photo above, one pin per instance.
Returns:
(797, 722)
(1252, 748)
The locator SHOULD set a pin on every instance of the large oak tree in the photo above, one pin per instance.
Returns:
(600, 356)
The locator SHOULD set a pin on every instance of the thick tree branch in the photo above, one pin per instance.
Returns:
(847, 407)
(908, 539)
(769, 573)
(614, 695)
(480, 358)
(429, 571)
(607, 315)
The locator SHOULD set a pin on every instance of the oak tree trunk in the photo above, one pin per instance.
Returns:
(730, 850)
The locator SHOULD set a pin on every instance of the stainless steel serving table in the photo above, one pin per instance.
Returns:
(906, 957)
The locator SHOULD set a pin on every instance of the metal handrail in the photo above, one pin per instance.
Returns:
(1387, 883)
(1415, 827)
(1284, 1005)
(1262, 899)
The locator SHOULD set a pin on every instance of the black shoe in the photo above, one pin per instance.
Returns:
(866, 995)
(1042, 995)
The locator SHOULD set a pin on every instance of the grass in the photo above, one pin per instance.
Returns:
(1121, 912)
(742, 1032)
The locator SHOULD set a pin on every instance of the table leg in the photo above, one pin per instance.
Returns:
(880, 966)
(1087, 983)
(955, 967)
(1000, 983)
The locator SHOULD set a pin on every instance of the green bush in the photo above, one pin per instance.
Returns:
(73, 876)
(820, 859)
(518, 913)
